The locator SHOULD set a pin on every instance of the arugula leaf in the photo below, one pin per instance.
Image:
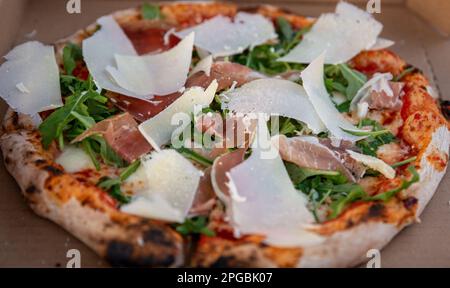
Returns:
(386, 196)
(355, 192)
(404, 162)
(344, 106)
(71, 54)
(150, 11)
(355, 80)
(190, 154)
(343, 79)
(286, 126)
(299, 174)
(285, 29)
(370, 145)
(52, 127)
(196, 225)
(407, 71)
(112, 185)
(87, 147)
(366, 133)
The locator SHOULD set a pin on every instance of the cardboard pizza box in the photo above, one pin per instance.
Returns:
(28, 240)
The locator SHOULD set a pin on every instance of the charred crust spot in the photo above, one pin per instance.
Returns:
(15, 119)
(410, 202)
(40, 161)
(223, 262)
(28, 154)
(376, 210)
(445, 107)
(119, 253)
(7, 160)
(53, 170)
(31, 189)
(350, 223)
(155, 235)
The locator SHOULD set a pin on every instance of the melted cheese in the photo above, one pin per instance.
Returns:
(171, 182)
(342, 35)
(314, 85)
(276, 97)
(158, 129)
(221, 36)
(29, 79)
(74, 159)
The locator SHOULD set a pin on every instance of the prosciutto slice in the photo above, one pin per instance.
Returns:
(226, 74)
(309, 152)
(121, 133)
(378, 93)
(205, 199)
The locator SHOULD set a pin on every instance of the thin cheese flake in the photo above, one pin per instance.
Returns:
(74, 159)
(221, 36)
(373, 163)
(116, 66)
(342, 35)
(314, 85)
(267, 203)
(158, 129)
(29, 79)
(171, 184)
(276, 97)
(203, 65)
(155, 74)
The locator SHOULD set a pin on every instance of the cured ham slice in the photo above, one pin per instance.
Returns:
(121, 133)
(205, 198)
(308, 152)
(378, 93)
(226, 74)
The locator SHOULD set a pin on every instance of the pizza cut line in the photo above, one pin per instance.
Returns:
(304, 142)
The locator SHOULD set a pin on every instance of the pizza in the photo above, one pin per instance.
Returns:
(210, 135)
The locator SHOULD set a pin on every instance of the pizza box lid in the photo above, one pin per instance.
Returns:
(27, 240)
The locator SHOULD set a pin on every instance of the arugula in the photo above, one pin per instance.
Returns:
(263, 58)
(299, 174)
(150, 11)
(190, 154)
(386, 196)
(404, 162)
(71, 54)
(407, 71)
(345, 80)
(112, 185)
(377, 137)
(196, 225)
(286, 126)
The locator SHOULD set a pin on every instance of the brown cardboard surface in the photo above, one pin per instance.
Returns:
(434, 11)
(27, 240)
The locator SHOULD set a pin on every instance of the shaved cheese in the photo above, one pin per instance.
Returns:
(170, 186)
(314, 85)
(74, 159)
(155, 74)
(342, 35)
(29, 79)
(203, 65)
(115, 65)
(158, 129)
(373, 163)
(382, 44)
(275, 96)
(100, 49)
(267, 203)
(222, 37)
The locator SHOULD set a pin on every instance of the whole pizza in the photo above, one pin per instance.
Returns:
(209, 135)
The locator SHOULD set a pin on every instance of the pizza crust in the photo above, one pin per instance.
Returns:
(128, 240)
